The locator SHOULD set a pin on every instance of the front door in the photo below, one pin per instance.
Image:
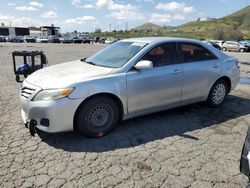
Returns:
(159, 86)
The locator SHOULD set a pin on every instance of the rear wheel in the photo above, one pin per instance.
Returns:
(97, 117)
(218, 94)
(224, 49)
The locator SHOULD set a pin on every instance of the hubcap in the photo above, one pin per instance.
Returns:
(100, 116)
(219, 93)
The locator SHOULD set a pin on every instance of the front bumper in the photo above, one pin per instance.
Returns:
(50, 116)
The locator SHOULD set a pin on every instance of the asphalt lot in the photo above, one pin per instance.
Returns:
(192, 146)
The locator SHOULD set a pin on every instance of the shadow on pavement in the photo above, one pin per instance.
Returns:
(141, 130)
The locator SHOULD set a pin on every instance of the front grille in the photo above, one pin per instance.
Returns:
(27, 92)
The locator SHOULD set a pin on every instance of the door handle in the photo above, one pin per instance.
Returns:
(176, 71)
(216, 65)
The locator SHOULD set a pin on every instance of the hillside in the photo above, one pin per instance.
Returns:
(239, 20)
(148, 27)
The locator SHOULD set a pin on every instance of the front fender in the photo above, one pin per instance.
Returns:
(115, 84)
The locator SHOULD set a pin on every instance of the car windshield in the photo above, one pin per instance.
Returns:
(117, 54)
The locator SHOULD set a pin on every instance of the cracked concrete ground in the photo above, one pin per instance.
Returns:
(192, 146)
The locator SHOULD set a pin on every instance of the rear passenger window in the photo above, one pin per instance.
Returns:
(164, 54)
(194, 52)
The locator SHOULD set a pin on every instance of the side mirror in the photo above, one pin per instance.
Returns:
(144, 65)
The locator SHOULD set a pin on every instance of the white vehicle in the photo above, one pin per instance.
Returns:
(42, 39)
(129, 78)
(219, 42)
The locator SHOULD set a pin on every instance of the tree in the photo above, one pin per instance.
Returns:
(98, 30)
(227, 34)
(218, 34)
(233, 34)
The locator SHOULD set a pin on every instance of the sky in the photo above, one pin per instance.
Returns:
(87, 15)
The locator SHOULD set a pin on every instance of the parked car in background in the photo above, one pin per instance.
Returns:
(86, 40)
(42, 39)
(53, 39)
(66, 40)
(219, 42)
(17, 39)
(109, 41)
(234, 46)
(212, 44)
(102, 40)
(28, 38)
(2, 39)
(147, 75)
(77, 40)
(246, 44)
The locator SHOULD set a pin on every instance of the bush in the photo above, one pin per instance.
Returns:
(228, 34)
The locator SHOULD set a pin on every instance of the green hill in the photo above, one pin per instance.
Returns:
(148, 27)
(238, 21)
(231, 27)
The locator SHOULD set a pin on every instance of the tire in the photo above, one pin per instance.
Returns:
(97, 117)
(224, 49)
(218, 94)
(242, 50)
(17, 78)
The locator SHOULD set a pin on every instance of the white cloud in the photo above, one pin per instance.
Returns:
(11, 4)
(76, 2)
(179, 17)
(79, 4)
(120, 11)
(101, 3)
(165, 18)
(49, 14)
(19, 21)
(146, 1)
(126, 15)
(32, 6)
(111, 5)
(174, 6)
(80, 20)
(160, 18)
(26, 8)
(87, 6)
(36, 4)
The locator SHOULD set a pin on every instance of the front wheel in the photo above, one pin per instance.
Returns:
(224, 49)
(97, 117)
(17, 78)
(218, 94)
(242, 50)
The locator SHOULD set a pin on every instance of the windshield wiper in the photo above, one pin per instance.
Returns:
(89, 62)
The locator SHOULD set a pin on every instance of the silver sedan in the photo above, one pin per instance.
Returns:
(129, 78)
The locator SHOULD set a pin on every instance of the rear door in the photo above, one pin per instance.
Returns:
(200, 69)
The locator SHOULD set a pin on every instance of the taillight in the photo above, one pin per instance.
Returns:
(237, 63)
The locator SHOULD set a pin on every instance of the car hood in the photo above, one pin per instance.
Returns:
(66, 74)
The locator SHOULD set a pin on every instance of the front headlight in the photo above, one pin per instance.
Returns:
(52, 94)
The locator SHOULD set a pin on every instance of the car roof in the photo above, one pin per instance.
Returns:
(159, 39)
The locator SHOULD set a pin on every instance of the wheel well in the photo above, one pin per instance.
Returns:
(227, 80)
(108, 95)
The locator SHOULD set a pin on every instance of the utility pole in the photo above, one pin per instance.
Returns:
(126, 26)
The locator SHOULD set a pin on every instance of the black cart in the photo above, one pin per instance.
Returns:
(32, 61)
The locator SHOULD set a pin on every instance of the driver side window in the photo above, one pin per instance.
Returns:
(164, 54)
